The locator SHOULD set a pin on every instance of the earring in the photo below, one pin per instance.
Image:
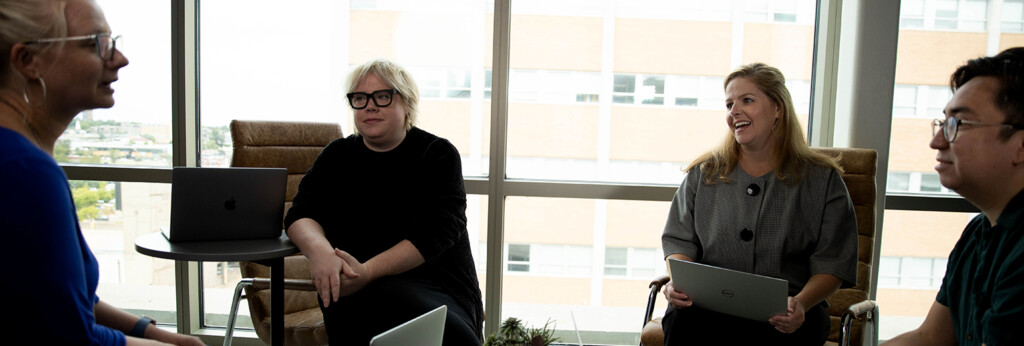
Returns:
(24, 92)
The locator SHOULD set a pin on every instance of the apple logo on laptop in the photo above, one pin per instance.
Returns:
(229, 204)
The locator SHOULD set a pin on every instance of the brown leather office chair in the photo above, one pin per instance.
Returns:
(849, 308)
(294, 146)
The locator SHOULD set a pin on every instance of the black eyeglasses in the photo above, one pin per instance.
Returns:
(104, 42)
(381, 98)
(951, 125)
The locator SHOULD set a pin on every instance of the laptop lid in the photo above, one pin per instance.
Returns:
(226, 203)
(732, 292)
(425, 330)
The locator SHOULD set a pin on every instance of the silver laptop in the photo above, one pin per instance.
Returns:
(226, 203)
(732, 292)
(425, 330)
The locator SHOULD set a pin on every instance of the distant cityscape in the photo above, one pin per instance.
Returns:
(109, 142)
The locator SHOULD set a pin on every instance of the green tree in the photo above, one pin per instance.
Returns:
(61, 151)
(87, 196)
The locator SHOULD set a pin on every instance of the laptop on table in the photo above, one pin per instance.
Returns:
(211, 204)
(728, 291)
(425, 330)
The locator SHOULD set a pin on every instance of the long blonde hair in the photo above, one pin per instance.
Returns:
(791, 150)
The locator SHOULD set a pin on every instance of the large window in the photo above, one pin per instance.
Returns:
(112, 215)
(915, 244)
(137, 130)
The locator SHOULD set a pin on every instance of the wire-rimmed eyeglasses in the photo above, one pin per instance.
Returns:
(951, 126)
(381, 98)
(104, 42)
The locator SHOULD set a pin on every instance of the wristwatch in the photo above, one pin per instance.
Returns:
(139, 331)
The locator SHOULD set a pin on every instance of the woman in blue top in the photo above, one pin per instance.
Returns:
(762, 202)
(57, 58)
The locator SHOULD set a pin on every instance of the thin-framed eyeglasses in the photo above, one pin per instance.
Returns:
(951, 126)
(381, 98)
(104, 42)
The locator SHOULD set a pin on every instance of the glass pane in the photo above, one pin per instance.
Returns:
(615, 256)
(600, 238)
(654, 112)
(1013, 12)
(519, 252)
(112, 215)
(907, 288)
(889, 272)
(333, 37)
(137, 130)
(930, 183)
(898, 182)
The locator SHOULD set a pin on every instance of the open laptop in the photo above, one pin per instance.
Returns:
(226, 203)
(732, 292)
(425, 330)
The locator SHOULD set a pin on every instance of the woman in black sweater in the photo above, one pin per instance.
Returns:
(381, 215)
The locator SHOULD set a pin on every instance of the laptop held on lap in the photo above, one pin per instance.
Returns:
(209, 204)
(732, 292)
(425, 330)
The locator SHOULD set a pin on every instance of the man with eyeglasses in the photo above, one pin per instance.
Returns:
(981, 157)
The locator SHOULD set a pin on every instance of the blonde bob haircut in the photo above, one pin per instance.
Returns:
(791, 152)
(396, 78)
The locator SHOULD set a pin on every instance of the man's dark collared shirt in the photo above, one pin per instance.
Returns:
(984, 282)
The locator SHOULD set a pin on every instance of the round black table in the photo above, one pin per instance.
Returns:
(269, 252)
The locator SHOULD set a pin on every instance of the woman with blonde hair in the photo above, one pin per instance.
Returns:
(762, 202)
(57, 58)
(381, 215)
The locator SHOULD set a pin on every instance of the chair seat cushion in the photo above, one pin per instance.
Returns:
(652, 333)
(305, 327)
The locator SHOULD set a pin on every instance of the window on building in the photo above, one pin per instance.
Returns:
(518, 257)
(920, 101)
(640, 263)
(1013, 16)
(911, 272)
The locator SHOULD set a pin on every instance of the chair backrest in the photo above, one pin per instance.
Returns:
(293, 146)
(859, 175)
(290, 145)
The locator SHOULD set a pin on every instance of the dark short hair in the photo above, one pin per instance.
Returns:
(1008, 68)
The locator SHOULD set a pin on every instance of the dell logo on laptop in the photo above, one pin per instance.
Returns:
(727, 293)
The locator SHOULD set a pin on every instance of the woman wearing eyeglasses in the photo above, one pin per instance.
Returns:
(58, 59)
(761, 202)
(381, 215)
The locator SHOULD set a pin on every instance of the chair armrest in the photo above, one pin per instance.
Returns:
(867, 309)
(861, 308)
(289, 284)
(659, 281)
(655, 287)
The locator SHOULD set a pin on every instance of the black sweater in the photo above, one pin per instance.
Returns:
(368, 201)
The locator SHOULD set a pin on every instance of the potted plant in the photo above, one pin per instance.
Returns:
(514, 333)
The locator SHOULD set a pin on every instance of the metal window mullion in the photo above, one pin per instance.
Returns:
(184, 130)
(496, 175)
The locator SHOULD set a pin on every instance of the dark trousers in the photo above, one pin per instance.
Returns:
(390, 301)
(696, 326)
